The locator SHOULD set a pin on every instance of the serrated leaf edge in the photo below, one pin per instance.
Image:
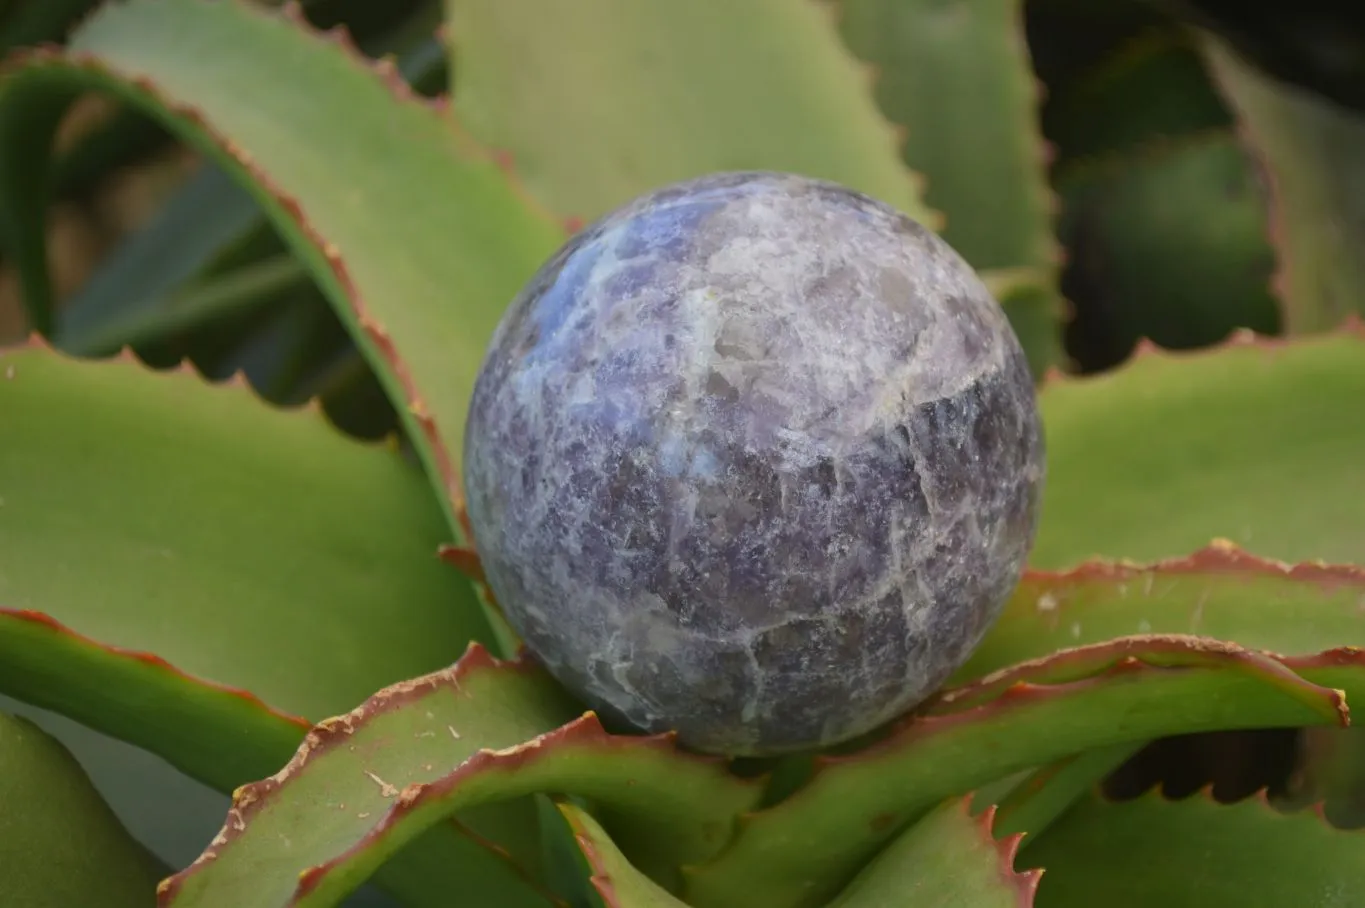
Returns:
(186, 369)
(333, 732)
(152, 661)
(1123, 655)
(1024, 882)
(1146, 350)
(898, 133)
(387, 74)
(1054, 254)
(1219, 556)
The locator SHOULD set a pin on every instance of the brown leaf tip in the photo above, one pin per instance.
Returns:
(464, 559)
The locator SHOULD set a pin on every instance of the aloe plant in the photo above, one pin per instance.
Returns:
(209, 571)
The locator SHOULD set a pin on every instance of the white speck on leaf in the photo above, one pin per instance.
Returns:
(453, 733)
(1047, 602)
(1075, 630)
(385, 789)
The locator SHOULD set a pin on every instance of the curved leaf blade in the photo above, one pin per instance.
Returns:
(956, 77)
(1311, 151)
(1220, 591)
(199, 518)
(419, 259)
(60, 844)
(605, 99)
(1251, 447)
(480, 732)
(800, 851)
(619, 884)
(1195, 851)
(948, 858)
(191, 571)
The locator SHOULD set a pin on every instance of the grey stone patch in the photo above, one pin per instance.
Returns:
(754, 458)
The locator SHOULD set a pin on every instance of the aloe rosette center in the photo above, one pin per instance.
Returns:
(754, 458)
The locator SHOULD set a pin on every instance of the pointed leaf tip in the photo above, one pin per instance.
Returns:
(1220, 591)
(799, 850)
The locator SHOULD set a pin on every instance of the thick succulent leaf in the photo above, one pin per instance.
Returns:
(416, 235)
(151, 513)
(1313, 154)
(1219, 591)
(949, 858)
(1130, 653)
(617, 883)
(230, 539)
(60, 845)
(479, 732)
(956, 78)
(801, 850)
(605, 99)
(1045, 794)
(1246, 442)
(1151, 852)
(209, 224)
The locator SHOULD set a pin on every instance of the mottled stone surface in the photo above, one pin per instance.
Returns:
(754, 458)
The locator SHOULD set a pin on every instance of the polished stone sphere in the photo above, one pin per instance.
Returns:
(756, 459)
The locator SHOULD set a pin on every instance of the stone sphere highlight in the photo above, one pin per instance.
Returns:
(756, 459)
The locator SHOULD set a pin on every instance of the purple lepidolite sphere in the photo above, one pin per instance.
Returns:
(755, 459)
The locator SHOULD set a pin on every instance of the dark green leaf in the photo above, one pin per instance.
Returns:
(949, 859)
(1155, 853)
(60, 845)
(605, 99)
(1313, 152)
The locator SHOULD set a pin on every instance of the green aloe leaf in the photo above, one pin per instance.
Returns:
(615, 880)
(1313, 152)
(60, 844)
(605, 99)
(1219, 592)
(948, 858)
(1245, 442)
(1045, 794)
(479, 732)
(209, 224)
(419, 260)
(956, 78)
(801, 850)
(1151, 852)
(236, 542)
(195, 573)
